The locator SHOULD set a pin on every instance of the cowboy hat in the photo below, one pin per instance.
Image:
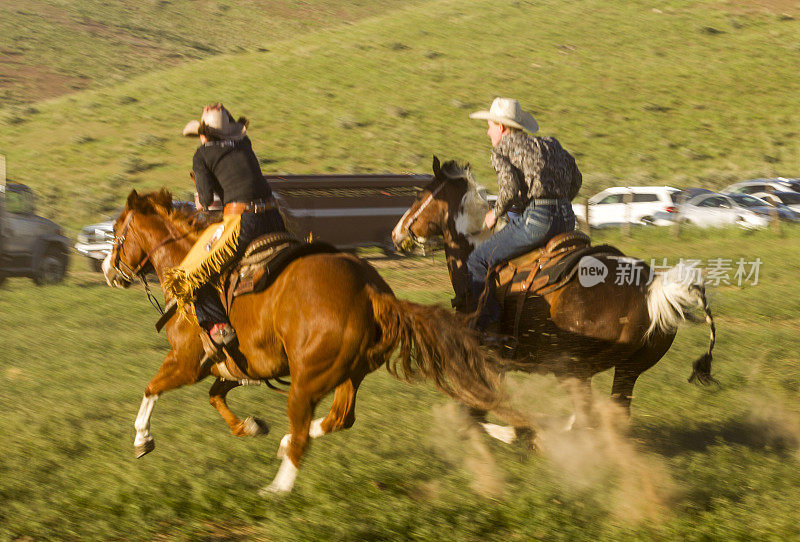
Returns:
(218, 123)
(508, 111)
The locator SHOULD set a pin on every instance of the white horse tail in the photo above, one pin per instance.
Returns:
(670, 298)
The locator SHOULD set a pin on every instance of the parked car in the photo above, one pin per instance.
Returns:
(609, 207)
(764, 208)
(712, 210)
(753, 186)
(789, 199)
(30, 245)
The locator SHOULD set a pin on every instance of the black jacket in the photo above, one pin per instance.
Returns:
(229, 169)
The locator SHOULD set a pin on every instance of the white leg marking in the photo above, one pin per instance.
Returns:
(287, 438)
(506, 434)
(142, 423)
(316, 428)
(284, 480)
(570, 422)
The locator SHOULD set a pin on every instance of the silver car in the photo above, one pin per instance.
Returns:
(713, 210)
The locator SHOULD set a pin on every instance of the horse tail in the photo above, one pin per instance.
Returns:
(434, 343)
(669, 299)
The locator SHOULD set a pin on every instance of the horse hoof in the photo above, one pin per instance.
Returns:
(254, 427)
(145, 448)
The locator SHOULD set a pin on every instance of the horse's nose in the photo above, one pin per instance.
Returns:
(397, 233)
(108, 271)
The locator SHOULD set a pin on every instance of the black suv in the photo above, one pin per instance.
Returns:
(30, 245)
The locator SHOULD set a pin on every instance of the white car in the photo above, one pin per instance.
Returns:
(611, 206)
(713, 210)
(755, 186)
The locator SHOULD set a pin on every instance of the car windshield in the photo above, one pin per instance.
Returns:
(790, 199)
(747, 201)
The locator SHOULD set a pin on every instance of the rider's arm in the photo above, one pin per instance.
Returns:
(508, 183)
(203, 180)
(577, 180)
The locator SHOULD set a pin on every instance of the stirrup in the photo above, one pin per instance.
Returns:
(213, 352)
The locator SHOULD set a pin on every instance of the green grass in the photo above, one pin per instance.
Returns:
(44, 43)
(691, 93)
(697, 463)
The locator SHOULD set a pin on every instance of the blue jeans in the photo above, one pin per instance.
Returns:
(208, 306)
(530, 230)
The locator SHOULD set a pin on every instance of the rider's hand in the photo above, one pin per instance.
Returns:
(490, 220)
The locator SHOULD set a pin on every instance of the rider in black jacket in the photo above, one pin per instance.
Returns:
(224, 164)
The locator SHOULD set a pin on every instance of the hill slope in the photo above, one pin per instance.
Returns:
(52, 47)
(689, 93)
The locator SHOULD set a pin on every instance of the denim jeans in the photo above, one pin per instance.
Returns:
(530, 230)
(207, 305)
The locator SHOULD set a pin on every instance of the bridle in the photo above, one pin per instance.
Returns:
(130, 274)
(416, 214)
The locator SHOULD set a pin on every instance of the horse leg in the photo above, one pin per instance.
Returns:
(581, 390)
(144, 443)
(249, 427)
(300, 408)
(622, 388)
(503, 433)
(343, 410)
(172, 374)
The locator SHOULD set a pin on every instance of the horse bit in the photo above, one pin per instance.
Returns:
(128, 273)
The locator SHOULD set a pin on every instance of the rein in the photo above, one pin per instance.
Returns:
(416, 214)
(129, 273)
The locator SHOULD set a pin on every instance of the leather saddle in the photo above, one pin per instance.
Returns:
(543, 271)
(261, 264)
(264, 260)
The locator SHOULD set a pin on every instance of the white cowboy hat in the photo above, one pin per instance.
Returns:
(508, 111)
(217, 122)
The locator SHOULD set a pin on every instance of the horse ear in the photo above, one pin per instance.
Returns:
(133, 198)
(437, 169)
(164, 198)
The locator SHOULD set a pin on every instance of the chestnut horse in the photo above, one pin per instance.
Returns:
(327, 321)
(574, 332)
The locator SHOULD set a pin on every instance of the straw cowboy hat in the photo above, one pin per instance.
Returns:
(218, 123)
(508, 111)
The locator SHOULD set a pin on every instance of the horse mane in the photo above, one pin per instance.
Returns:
(473, 205)
(181, 217)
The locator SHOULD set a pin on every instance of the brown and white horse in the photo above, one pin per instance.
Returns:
(326, 322)
(574, 332)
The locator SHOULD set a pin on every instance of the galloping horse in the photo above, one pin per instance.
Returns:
(574, 331)
(327, 321)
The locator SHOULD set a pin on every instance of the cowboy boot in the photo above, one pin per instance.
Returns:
(223, 334)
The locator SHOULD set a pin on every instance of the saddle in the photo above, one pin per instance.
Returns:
(260, 266)
(263, 261)
(543, 271)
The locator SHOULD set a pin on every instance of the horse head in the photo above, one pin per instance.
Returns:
(452, 205)
(134, 231)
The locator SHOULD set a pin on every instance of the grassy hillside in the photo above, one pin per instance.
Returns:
(52, 47)
(696, 463)
(690, 93)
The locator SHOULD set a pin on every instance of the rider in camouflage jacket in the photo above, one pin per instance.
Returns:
(530, 167)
